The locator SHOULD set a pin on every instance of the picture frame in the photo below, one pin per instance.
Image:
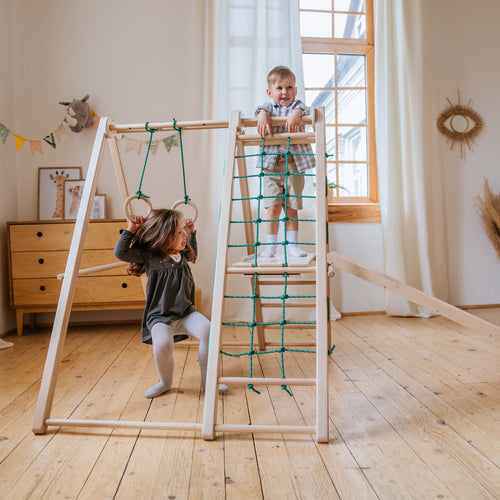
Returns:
(73, 190)
(98, 207)
(51, 190)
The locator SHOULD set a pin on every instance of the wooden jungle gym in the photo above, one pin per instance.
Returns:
(249, 268)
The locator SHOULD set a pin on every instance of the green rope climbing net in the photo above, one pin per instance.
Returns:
(258, 220)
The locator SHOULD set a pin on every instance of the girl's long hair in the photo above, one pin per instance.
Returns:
(157, 233)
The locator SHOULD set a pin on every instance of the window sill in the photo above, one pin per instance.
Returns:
(354, 212)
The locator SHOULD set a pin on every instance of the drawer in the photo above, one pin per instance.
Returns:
(89, 290)
(37, 237)
(45, 264)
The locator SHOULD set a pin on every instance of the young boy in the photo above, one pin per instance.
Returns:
(283, 92)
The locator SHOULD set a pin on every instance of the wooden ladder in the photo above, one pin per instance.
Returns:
(236, 168)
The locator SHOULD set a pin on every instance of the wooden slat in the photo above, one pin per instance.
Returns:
(412, 294)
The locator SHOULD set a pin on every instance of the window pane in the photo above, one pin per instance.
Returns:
(350, 5)
(318, 70)
(330, 141)
(331, 173)
(316, 4)
(354, 178)
(352, 144)
(316, 24)
(325, 98)
(350, 26)
(351, 71)
(352, 106)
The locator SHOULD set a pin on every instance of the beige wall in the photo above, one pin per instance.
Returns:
(9, 172)
(144, 61)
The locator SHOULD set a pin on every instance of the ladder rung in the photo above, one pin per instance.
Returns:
(275, 120)
(267, 381)
(279, 429)
(289, 282)
(265, 304)
(295, 138)
(271, 270)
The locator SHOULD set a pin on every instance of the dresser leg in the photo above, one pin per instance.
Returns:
(19, 321)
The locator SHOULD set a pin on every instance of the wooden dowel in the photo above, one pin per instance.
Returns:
(168, 126)
(267, 381)
(266, 304)
(271, 270)
(289, 282)
(276, 120)
(96, 269)
(124, 424)
(279, 429)
(295, 138)
(195, 125)
(174, 426)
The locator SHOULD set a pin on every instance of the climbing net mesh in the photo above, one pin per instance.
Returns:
(285, 295)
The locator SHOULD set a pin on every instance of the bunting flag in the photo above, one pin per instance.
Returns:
(49, 139)
(4, 132)
(19, 141)
(60, 131)
(133, 145)
(36, 146)
(170, 142)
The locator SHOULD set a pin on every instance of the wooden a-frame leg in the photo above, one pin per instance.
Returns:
(59, 329)
(210, 405)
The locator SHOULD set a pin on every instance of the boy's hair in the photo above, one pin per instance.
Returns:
(279, 72)
(157, 232)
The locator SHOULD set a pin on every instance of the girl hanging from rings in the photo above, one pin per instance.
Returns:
(162, 244)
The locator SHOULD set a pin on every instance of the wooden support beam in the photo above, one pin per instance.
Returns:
(412, 294)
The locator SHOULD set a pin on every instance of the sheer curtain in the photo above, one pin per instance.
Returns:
(244, 40)
(411, 189)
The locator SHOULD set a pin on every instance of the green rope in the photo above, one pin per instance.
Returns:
(151, 131)
(179, 129)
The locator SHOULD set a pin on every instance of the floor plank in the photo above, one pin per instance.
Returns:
(414, 413)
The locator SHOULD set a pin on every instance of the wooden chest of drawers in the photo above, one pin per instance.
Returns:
(37, 254)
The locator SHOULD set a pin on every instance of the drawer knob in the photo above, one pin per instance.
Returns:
(41, 261)
(42, 288)
(39, 234)
(124, 285)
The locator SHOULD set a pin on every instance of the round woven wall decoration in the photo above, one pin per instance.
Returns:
(459, 123)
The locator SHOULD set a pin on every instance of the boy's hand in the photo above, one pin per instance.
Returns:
(263, 124)
(294, 121)
(189, 226)
(134, 223)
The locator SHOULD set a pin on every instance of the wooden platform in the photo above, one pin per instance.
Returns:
(414, 413)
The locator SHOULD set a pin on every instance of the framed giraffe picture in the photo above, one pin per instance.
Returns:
(73, 189)
(51, 190)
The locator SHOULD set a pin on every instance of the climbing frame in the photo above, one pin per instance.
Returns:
(252, 268)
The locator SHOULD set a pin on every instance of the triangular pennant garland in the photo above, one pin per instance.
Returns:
(4, 132)
(36, 146)
(19, 141)
(49, 139)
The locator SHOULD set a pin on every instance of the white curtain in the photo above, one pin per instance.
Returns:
(411, 187)
(244, 40)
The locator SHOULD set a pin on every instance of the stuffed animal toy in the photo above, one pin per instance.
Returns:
(78, 114)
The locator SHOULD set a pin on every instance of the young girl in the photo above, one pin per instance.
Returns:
(161, 245)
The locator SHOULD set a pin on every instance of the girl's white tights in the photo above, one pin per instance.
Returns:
(163, 350)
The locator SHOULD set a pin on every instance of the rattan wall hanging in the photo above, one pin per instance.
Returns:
(460, 124)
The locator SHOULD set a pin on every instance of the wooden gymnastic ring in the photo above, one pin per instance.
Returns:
(126, 205)
(191, 204)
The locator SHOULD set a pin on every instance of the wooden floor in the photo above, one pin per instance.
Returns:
(414, 413)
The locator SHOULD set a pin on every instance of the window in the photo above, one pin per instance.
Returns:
(337, 55)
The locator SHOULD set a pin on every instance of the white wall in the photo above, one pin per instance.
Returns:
(144, 61)
(466, 39)
(8, 199)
